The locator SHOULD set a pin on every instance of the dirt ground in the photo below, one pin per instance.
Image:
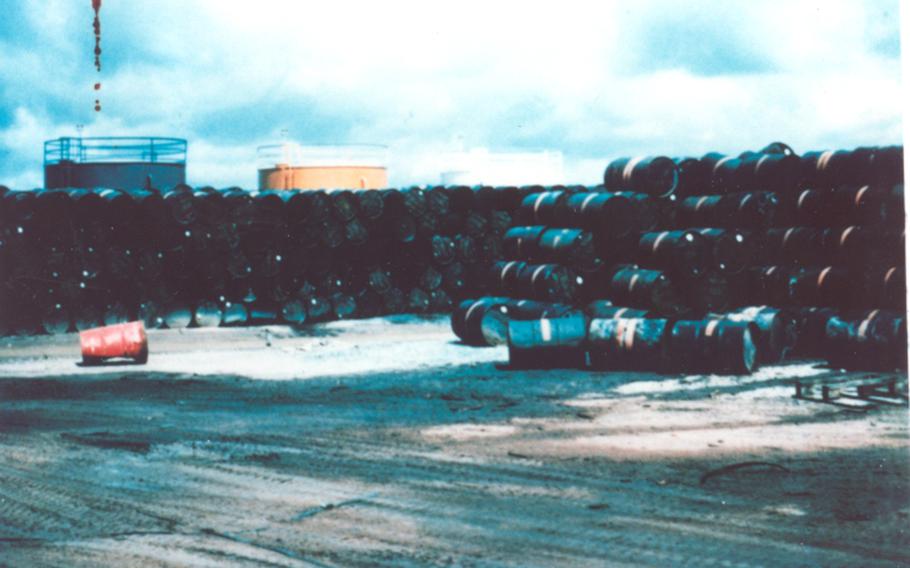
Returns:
(385, 442)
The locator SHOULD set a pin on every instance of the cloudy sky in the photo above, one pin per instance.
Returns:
(594, 80)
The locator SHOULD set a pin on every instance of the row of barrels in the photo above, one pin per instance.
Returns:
(773, 168)
(695, 251)
(733, 261)
(701, 269)
(330, 300)
(670, 293)
(616, 214)
(603, 336)
(70, 259)
(308, 218)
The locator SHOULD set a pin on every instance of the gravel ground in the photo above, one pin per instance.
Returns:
(385, 442)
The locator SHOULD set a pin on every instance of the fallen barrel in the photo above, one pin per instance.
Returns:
(344, 305)
(547, 282)
(344, 204)
(846, 246)
(494, 325)
(522, 243)
(648, 289)
(177, 314)
(442, 250)
(774, 331)
(692, 177)
(887, 288)
(647, 211)
(610, 214)
(791, 246)
(437, 199)
(370, 205)
(455, 279)
(207, 313)
(826, 169)
(542, 208)
(876, 340)
(808, 208)
(765, 285)
(235, 313)
(751, 210)
(708, 291)
(573, 248)
(504, 276)
(676, 252)
(828, 286)
(712, 346)
(467, 317)
(857, 205)
(627, 343)
(810, 331)
(127, 340)
(150, 314)
(654, 175)
(728, 175)
(547, 343)
(779, 173)
(180, 206)
(732, 251)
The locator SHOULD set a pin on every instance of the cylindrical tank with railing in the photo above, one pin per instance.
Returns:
(114, 161)
(342, 166)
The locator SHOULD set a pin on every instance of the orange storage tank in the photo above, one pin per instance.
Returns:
(292, 166)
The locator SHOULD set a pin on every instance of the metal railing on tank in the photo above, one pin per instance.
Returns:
(106, 149)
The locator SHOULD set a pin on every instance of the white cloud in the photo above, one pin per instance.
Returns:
(593, 80)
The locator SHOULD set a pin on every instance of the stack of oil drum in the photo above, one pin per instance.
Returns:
(711, 264)
(78, 258)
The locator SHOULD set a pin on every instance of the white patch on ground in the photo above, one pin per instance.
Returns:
(693, 382)
(595, 400)
(463, 432)
(786, 510)
(716, 440)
